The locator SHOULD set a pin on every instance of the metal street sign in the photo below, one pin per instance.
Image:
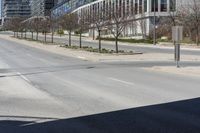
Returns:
(177, 36)
(177, 52)
(177, 33)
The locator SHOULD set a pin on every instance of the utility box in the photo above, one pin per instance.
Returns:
(177, 33)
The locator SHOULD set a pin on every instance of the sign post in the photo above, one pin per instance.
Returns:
(177, 36)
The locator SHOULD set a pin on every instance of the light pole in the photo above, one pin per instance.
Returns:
(154, 33)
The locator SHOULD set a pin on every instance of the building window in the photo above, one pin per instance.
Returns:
(132, 7)
(120, 8)
(154, 3)
(145, 5)
(172, 5)
(110, 8)
(127, 7)
(163, 7)
(124, 8)
(116, 5)
(140, 6)
(136, 6)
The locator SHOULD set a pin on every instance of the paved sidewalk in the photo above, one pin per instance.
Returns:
(84, 55)
(186, 71)
(163, 45)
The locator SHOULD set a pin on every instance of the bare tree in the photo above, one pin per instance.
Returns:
(189, 16)
(69, 22)
(117, 21)
(142, 24)
(195, 16)
(14, 24)
(83, 25)
(45, 27)
(98, 21)
(10, 25)
(53, 22)
(36, 24)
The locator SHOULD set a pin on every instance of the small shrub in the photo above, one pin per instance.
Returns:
(149, 41)
(60, 32)
(121, 51)
(85, 47)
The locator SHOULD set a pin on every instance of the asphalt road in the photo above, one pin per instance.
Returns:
(42, 92)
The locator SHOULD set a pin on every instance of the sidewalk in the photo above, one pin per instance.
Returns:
(163, 45)
(185, 71)
(97, 57)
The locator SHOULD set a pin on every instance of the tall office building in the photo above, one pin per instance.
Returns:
(14, 8)
(141, 11)
(42, 7)
(66, 6)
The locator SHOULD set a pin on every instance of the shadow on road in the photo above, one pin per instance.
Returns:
(175, 117)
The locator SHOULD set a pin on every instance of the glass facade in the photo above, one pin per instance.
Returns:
(163, 6)
(104, 9)
(154, 5)
(145, 5)
(15, 8)
(68, 6)
(124, 7)
(41, 7)
(140, 6)
(172, 4)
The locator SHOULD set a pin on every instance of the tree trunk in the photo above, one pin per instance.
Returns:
(197, 37)
(37, 36)
(45, 36)
(14, 33)
(93, 33)
(69, 38)
(99, 40)
(80, 40)
(116, 44)
(25, 34)
(52, 37)
(17, 34)
(32, 35)
(21, 34)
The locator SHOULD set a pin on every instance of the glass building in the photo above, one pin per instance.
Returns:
(15, 8)
(67, 6)
(42, 7)
(138, 10)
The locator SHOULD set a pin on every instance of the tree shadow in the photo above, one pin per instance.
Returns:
(174, 117)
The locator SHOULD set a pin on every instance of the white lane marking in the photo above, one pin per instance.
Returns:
(81, 57)
(121, 81)
(23, 77)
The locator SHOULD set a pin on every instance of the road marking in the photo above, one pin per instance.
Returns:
(121, 81)
(23, 77)
(81, 57)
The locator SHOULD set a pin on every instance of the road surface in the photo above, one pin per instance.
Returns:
(43, 92)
